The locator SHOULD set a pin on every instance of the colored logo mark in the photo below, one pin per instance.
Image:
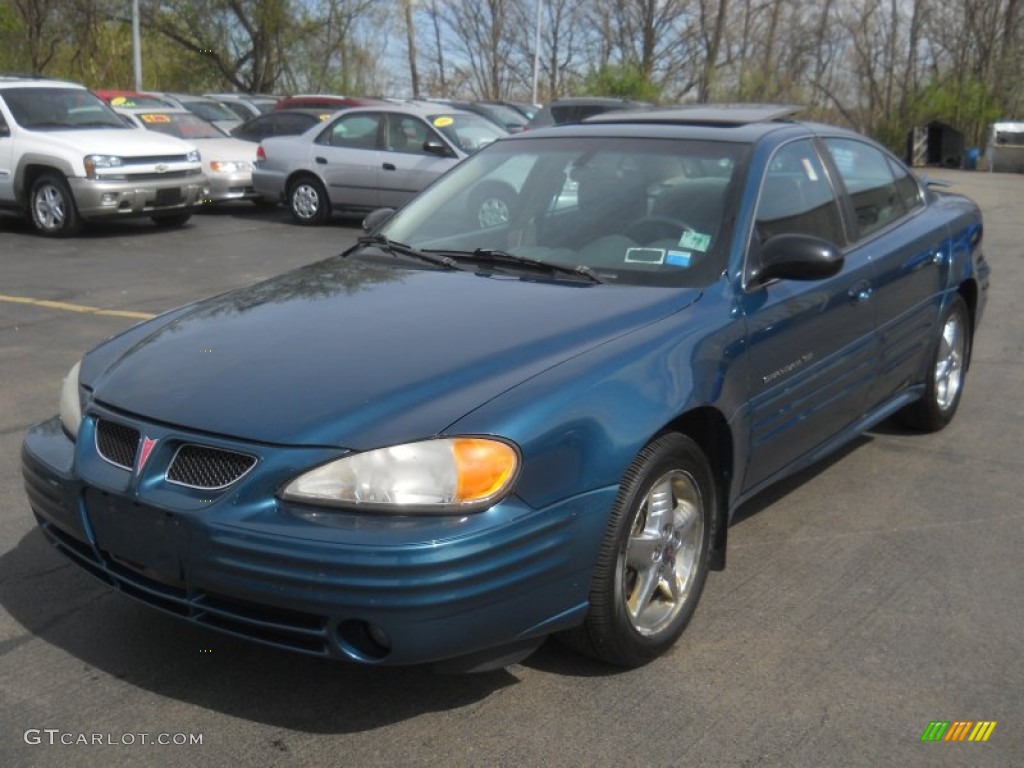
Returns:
(958, 730)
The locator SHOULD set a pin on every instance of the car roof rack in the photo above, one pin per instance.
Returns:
(703, 114)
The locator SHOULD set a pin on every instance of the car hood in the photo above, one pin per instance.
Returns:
(115, 141)
(358, 356)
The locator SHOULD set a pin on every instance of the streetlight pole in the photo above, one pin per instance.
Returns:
(536, 54)
(136, 46)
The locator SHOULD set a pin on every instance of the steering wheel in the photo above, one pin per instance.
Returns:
(651, 228)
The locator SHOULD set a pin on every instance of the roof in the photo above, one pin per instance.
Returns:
(37, 81)
(703, 114)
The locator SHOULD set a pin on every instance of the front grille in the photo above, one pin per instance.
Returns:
(117, 443)
(197, 466)
(154, 159)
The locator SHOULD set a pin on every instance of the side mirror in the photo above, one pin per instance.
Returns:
(435, 147)
(375, 219)
(796, 257)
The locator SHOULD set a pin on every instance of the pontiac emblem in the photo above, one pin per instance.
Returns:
(162, 168)
(148, 444)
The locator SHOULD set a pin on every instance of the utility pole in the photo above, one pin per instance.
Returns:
(536, 54)
(136, 46)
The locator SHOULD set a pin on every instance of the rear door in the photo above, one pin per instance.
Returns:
(909, 246)
(406, 167)
(811, 344)
(347, 157)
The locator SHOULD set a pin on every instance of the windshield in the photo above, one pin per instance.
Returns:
(210, 110)
(639, 211)
(184, 125)
(466, 131)
(59, 109)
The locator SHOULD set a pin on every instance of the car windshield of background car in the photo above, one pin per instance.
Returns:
(467, 132)
(634, 211)
(181, 125)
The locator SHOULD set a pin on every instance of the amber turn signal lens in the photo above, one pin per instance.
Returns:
(483, 467)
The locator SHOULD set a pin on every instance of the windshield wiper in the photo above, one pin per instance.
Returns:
(493, 256)
(393, 246)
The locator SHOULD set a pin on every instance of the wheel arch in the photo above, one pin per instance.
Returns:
(707, 427)
(30, 169)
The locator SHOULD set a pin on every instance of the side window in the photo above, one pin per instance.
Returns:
(289, 125)
(407, 134)
(906, 186)
(869, 179)
(797, 197)
(358, 131)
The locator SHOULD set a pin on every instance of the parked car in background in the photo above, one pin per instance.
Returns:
(576, 109)
(366, 158)
(208, 109)
(524, 108)
(227, 162)
(245, 105)
(66, 157)
(450, 442)
(326, 101)
(284, 122)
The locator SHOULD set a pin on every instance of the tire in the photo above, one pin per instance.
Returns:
(491, 204)
(653, 561)
(171, 220)
(52, 207)
(307, 201)
(947, 369)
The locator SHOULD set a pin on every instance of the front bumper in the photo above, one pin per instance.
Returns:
(97, 199)
(224, 187)
(313, 581)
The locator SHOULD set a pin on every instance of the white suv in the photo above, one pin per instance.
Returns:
(66, 156)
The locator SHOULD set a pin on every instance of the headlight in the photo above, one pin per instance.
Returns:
(96, 162)
(447, 476)
(194, 156)
(229, 166)
(71, 401)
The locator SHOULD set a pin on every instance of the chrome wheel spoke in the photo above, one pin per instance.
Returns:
(662, 552)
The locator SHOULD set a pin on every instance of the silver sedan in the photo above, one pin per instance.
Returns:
(366, 158)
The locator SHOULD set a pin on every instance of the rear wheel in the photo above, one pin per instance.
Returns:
(946, 371)
(307, 200)
(52, 207)
(654, 559)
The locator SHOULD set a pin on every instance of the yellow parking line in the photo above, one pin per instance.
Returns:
(76, 307)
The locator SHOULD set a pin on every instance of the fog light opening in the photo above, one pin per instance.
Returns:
(363, 641)
(109, 198)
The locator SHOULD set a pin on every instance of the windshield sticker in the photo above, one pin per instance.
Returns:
(645, 256)
(695, 241)
(443, 122)
(155, 118)
(678, 258)
(118, 101)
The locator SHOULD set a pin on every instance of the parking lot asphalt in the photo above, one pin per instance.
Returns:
(877, 592)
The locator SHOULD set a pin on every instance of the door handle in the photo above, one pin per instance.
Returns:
(322, 160)
(389, 166)
(860, 292)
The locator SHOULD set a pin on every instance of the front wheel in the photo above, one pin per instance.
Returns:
(52, 207)
(307, 200)
(946, 371)
(654, 558)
